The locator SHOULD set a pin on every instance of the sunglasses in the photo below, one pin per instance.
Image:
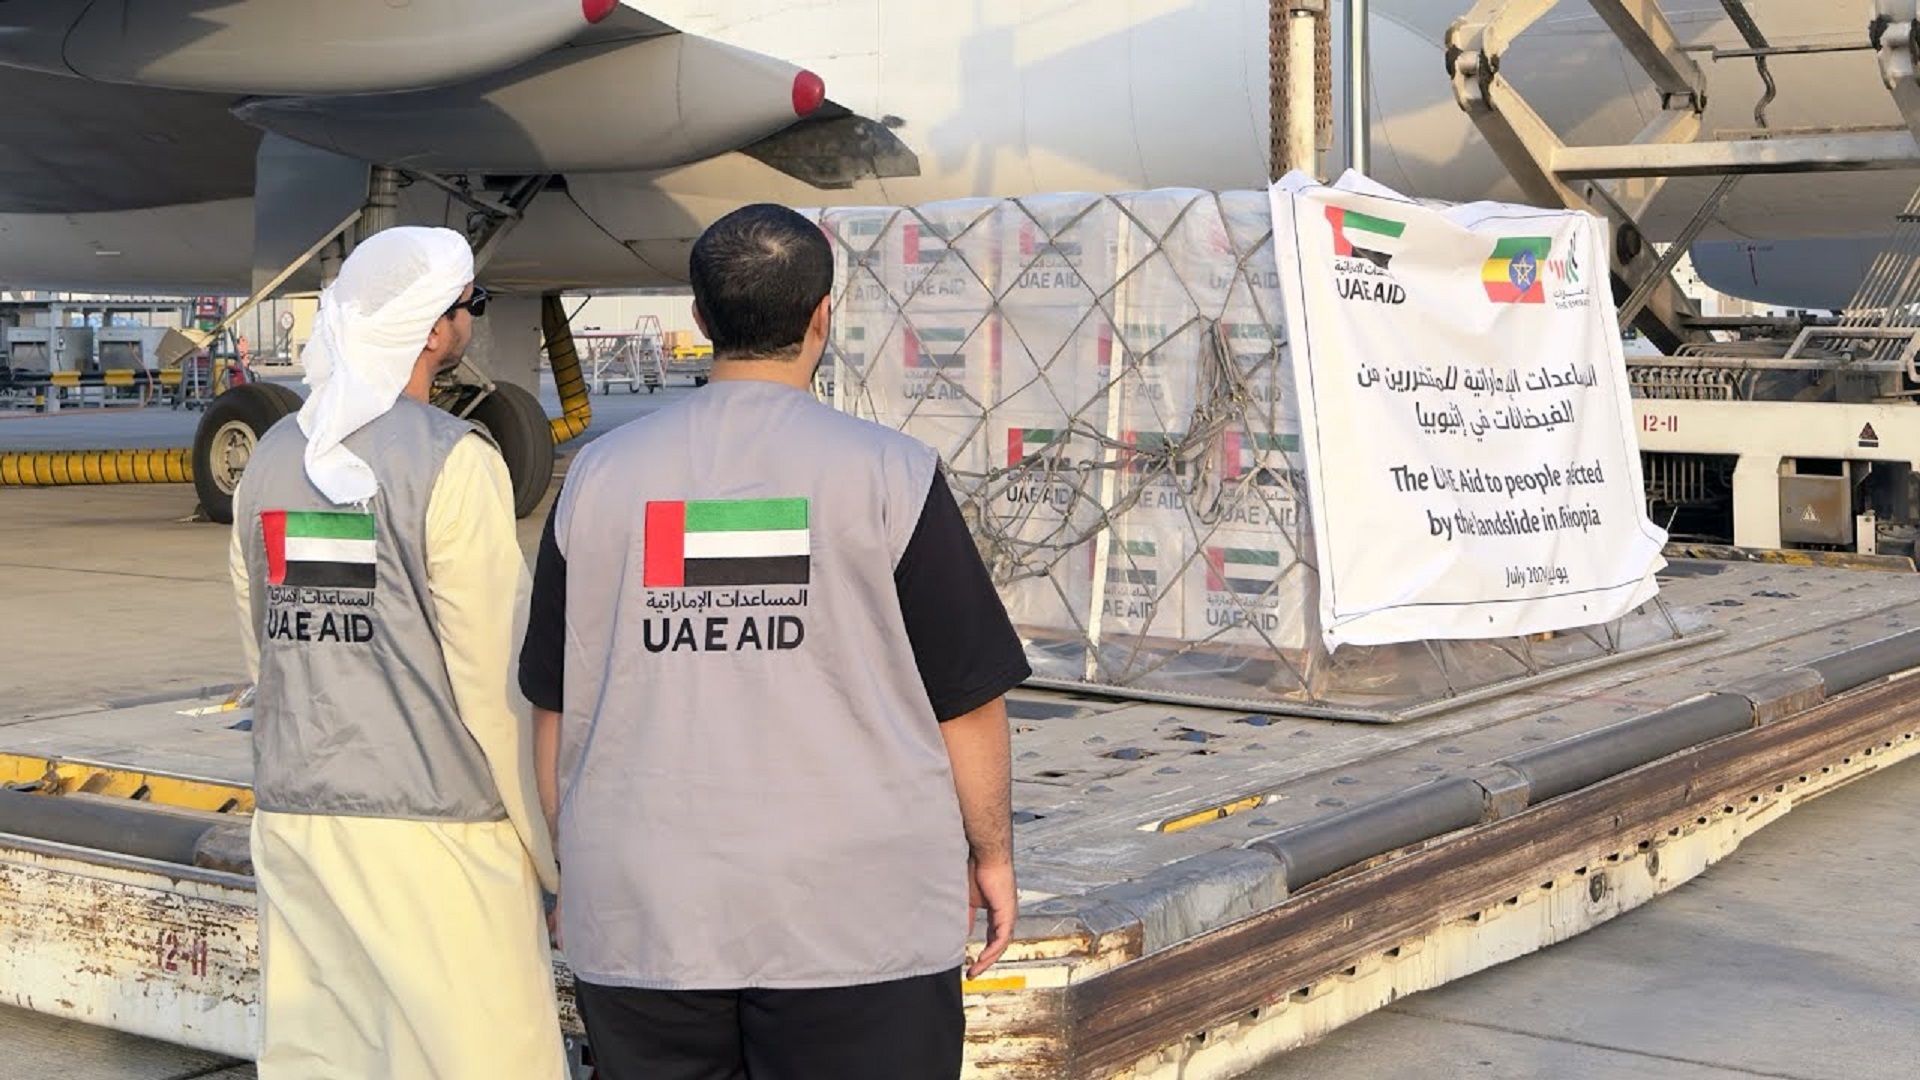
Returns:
(477, 303)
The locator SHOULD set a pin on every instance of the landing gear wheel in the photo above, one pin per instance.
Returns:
(229, 429)
(520, 428)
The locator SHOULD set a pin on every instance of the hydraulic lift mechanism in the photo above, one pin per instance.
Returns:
(1529, 148)
(1795, 441)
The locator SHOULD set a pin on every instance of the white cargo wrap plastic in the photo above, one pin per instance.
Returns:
(1497, 488)
(1107, 381)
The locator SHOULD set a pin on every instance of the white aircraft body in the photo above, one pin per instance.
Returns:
(151, 145)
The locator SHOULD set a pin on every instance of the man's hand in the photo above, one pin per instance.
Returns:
(553, 921)
(979, 747)
(991, 886)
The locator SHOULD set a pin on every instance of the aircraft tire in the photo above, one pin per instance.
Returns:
(520, 428)
(229, 430)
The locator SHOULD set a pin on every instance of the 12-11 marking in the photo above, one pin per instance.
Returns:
(173, 952)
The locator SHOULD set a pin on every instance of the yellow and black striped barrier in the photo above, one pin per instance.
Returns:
(59, 468)
(576, 403)
(119, 378)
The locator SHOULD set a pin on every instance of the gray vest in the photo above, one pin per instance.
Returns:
(354, 714)
(755, 791)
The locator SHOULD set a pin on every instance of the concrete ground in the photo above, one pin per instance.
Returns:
(112, 594)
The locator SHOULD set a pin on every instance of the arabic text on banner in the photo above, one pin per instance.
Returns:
(1472, 466)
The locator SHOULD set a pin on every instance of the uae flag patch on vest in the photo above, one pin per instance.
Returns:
(716, 543)
(319, 549)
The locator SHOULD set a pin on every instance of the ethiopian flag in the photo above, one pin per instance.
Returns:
(721, 542)
(319, 549)
(1512, 274)
(1363, 236)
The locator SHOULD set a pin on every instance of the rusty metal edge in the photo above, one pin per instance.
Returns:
(1111, 1021)
(78, 859)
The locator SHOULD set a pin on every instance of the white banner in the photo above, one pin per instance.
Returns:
(1472, 466)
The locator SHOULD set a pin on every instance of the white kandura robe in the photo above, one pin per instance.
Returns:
(412, 950)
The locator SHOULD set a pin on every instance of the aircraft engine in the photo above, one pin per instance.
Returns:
(630, 105)
(288, 46)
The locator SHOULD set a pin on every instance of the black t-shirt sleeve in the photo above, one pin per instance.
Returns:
(543, 654)
(963, 643)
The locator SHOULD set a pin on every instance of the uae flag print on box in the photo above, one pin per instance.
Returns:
(322, 549)
(725, 542)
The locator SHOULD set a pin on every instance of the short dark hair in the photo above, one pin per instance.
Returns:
(758, 274)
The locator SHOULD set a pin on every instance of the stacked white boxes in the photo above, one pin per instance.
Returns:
(914, 337)
(1102, 376)
(1048, 452)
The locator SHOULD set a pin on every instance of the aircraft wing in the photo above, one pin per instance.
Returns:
(129, 104)
(71, 146)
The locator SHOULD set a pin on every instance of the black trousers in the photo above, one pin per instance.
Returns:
(909, 1029)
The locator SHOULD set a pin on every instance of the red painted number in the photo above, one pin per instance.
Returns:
(1660, 423)
(175, 953)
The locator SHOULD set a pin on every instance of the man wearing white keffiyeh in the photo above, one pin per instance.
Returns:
(381, 326)
(398, 845)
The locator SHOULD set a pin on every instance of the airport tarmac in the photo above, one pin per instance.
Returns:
(117, 600)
